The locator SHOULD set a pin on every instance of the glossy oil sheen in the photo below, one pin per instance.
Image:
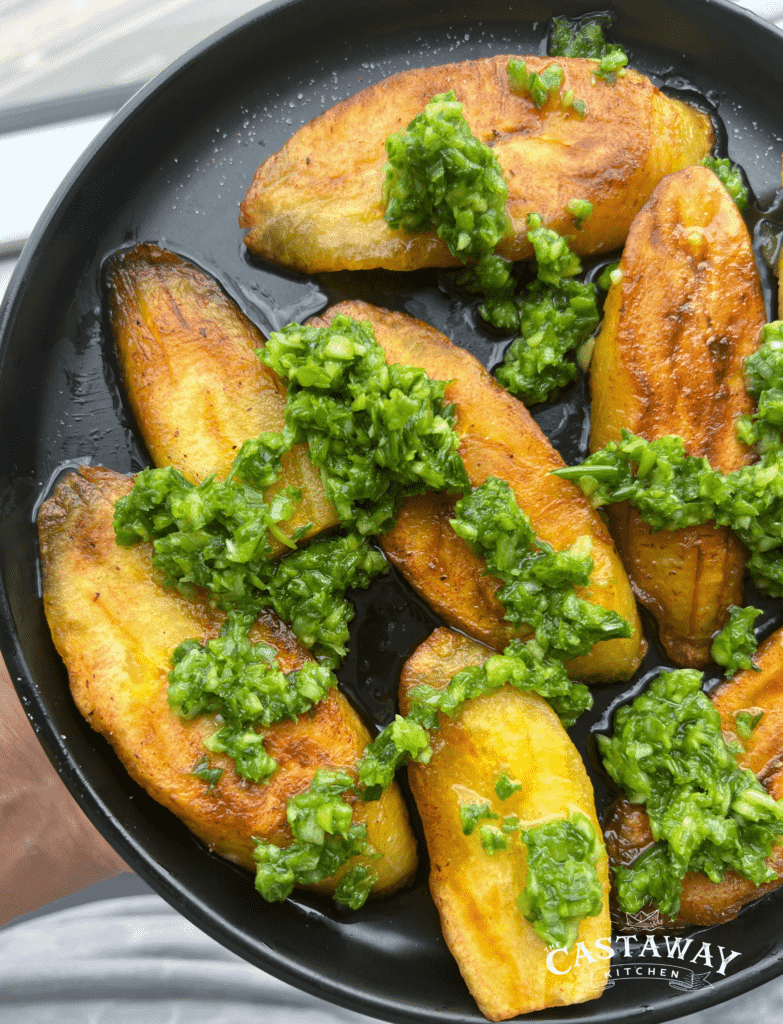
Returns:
(172, 170)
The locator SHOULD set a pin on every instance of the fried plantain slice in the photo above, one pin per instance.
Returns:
(502, 959)
(316, 205)
(627, 828)
(499, 438)
(195, 384)
(115, 628)
(668, 360)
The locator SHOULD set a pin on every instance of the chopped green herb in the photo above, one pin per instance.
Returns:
(307, 590)
(538, 86)
(568, 100)
(552, 321)
(731, 177)
(538, 582)
(562, 884)
(492, 276)
(506, 787)
(212, 535)
(554, 259)
(610, 275)
(511, 823)
(553, 314)
(324, 840)
(403, 739)
(521, 665)
(439, 174)
(492, 840)
(612, 65)
(471, 814)
(734, 646)
(582, 37)
(241, 681)
(706, 813)
(376, 431)
(746, 722)
(203, 770)
(580, 210)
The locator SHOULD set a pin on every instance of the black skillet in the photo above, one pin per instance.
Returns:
(171, 168)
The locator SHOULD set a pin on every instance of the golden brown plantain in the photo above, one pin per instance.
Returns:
(195, 384)
(497, 438)
(316, 204)
(668, 360)
(115, 628)
(627, 827)
(503, 961)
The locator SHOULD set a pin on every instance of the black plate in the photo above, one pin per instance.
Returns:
(171, 168)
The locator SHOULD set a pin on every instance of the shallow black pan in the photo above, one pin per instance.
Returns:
(172, 168)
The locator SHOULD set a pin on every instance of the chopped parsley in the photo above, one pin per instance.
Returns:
(214, 536)
(520, 665)
(731, 177)
(612, 66)
(671, 490)
(736, 643)
(706, 813)
(580, 210)
(325, 838)
(562, 884)
(538, 581)
(439, 174)
(611, 274)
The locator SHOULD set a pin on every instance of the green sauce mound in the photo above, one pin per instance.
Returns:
(553, 314)
(439, 174)
(325, 838)
(214, 536)
(706, 813)
(377, 431)
(671, 490)
(241, 681)
(562, 884)
(538, 582)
